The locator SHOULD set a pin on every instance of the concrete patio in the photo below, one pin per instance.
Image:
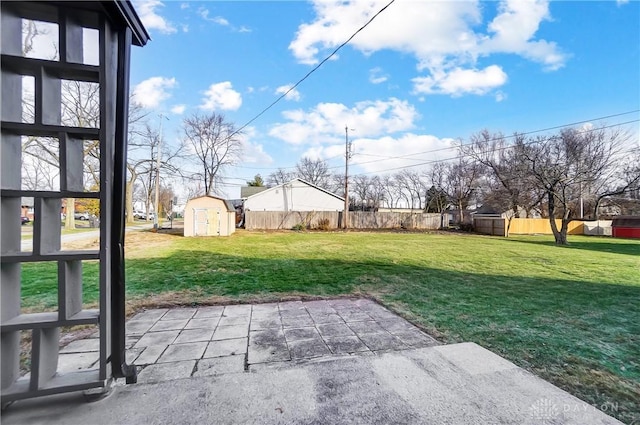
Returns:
(330, 361)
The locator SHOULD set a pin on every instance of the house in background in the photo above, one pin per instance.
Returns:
(295, 195)
(26, 205)
(209, 216)
(246, 191)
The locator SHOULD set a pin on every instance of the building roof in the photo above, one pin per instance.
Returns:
(126, 12)
(120, 11)
(227, 202)
(300, 180)
(246, 191)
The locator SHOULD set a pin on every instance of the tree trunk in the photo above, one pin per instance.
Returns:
(69, 222)
(129, 194)
(508, 226)
(562, 237)
(565, 227)
(561, 234)
(129, 201)
(552, 219)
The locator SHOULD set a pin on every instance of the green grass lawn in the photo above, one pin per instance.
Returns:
(569, 314)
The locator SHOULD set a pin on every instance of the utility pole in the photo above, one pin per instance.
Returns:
(347, 156)
(156, 210)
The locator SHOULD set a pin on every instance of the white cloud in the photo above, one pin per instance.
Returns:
(150, 18)
(458, 81)
(621, 2)
(221, 96)
(252, 152)
(184, 6)
(500, 96)
(324, 124)
(204, 13)
(376, 76)
(178, 109)
(152, 91)
(292, 95)
(514, 29)
(219, 20)
(387, 154)
(456, 34)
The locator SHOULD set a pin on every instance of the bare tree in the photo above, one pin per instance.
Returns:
(415, 186)
(388, 186)
(461, 183)
(565, 164)
(361, 187)
(80, 107)
(137, 143)
(144, 170)
(280, 176)
(337, 184)
(400, 186)
(622, 180)
(437, 199)
(165, 199)
(314, 171)
(216, 144)
(377, 193)
(508, 187)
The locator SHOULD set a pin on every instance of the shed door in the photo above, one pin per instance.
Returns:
(206, 222)
(213, 217)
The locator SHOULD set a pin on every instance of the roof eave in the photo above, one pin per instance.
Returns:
(126, 10)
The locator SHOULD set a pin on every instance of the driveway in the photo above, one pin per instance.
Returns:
(27, 244)
(316, 362)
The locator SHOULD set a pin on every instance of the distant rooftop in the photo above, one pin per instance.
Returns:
(246, 191)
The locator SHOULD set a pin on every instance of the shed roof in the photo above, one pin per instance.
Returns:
(626, 221)
(227, 202)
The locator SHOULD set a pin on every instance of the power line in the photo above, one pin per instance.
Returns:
(312, 71)
(192, 177)
(284, 168)
(493, 140)
(496, 149)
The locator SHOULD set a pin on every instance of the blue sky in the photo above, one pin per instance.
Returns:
(420, 77)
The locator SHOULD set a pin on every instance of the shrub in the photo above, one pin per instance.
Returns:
(299, 227)
(323, 224)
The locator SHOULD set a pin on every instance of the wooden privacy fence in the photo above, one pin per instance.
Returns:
(490, 226)
(522, 226)
(395, 220)
(273, 220)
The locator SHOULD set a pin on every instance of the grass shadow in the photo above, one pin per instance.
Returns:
(591, 243)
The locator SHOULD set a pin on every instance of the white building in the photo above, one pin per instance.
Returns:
(295, 195)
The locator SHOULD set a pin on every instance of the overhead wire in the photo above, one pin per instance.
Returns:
(505, 137)
(314, 69)
(300, 81)
(448, 148)
(463, 155)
